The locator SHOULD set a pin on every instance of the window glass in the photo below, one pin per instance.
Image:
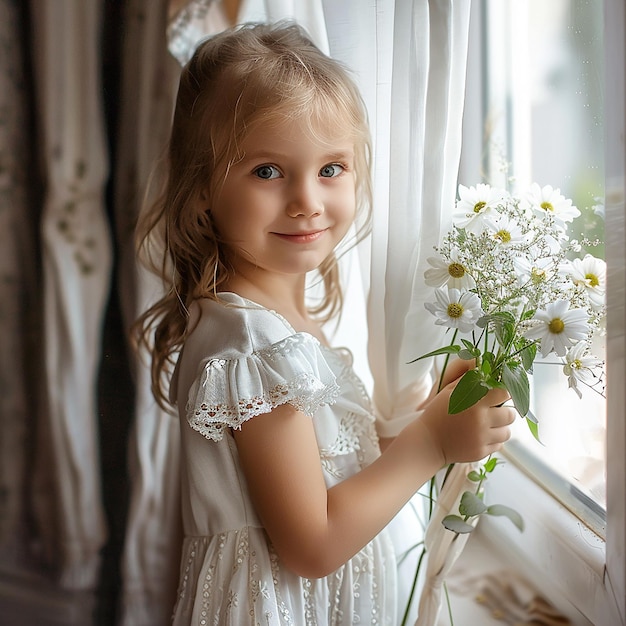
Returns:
(542, 118)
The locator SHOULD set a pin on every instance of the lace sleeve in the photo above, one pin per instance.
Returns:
(230, 391)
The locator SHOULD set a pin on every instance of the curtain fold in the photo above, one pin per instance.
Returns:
(413, 208)
(150, 558)
(76, 269)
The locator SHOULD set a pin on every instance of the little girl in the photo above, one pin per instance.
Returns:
(286, 494)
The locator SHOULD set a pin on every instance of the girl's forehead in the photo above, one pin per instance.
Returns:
(298, 130)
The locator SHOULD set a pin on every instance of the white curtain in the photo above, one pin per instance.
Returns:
(409, 58)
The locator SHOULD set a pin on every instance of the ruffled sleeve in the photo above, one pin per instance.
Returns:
(230, 391)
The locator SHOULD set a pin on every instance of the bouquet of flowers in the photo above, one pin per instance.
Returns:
(511, 283)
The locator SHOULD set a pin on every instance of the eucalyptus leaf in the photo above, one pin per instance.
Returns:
(468, 391)
(516, 380)
(506, 511)
(456, 524)
(471, 505)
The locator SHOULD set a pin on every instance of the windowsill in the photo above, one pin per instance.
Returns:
(556, 554)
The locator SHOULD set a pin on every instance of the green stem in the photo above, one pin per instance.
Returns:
(445, 363)
(413, 586)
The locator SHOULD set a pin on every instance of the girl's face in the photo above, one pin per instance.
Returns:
(285, 206)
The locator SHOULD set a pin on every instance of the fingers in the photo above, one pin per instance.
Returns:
(502, 416)
(496, 397)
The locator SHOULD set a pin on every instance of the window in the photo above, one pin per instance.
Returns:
(538, 109)
(544, 122)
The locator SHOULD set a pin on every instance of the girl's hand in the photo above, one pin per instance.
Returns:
(455, 368)
(472, 434)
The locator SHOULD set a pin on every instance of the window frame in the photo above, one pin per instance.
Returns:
(582, 573)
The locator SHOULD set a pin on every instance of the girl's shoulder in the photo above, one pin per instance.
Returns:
(234, 326)
(241, 360)
(229, 328)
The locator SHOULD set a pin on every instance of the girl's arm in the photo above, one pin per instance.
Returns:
(314, 529)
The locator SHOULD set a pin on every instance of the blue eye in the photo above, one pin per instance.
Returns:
(266, 172)
(331, 170)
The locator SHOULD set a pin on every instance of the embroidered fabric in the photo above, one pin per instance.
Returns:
(232, 391)
(240, 360)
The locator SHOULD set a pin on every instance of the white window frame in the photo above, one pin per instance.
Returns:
(583, 573)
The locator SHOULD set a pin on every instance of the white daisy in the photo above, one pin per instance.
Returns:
(558, 327)
(474, 204)
(455, 309)
(547, 200)
(452, 273)
(537, 271)
(505, 230)
(579, 367)
(590, 274)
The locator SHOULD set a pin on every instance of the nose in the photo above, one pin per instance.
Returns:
(304, 200)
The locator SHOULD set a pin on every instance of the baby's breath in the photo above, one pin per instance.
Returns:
(515, 255)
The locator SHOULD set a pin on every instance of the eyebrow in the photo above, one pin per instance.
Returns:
(337, 155)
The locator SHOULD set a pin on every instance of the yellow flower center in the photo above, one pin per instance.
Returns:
(594, 281)
(456, 270)
(479, 206)
(556, 326)
(455, 310)
(503, 235)
(547, 206)
(576, 364)
(537, 275)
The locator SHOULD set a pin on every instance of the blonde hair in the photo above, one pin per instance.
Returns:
(235, 80)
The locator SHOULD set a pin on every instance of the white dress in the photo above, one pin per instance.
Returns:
(240, 361)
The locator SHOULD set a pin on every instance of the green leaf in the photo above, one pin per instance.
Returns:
(490, 465)
(469, 390)
(528, 354)
(474, 476)
(456, 524)
(505, 332)
(466, 355)
(470, 346)
(471, 505)
(486, 367)
(445, 350)
(516, 381)
(506, 511)
(533, 426)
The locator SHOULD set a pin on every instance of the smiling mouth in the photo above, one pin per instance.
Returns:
(301, 237)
